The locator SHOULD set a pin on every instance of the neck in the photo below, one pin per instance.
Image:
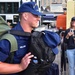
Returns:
(26, 27)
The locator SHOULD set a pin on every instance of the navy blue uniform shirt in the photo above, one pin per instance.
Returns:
(23, 42)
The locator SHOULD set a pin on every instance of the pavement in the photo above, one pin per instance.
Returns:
(58, 61)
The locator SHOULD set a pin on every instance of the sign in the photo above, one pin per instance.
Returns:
(56, 8)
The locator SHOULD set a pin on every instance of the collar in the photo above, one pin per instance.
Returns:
(18, 27)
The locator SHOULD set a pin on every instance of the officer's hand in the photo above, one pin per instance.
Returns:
(25, 61)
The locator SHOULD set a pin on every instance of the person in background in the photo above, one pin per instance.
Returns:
(63, 56)
(69, 39)
(9, 24)
(47, 9)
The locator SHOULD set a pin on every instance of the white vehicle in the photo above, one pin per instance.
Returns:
(9, 8)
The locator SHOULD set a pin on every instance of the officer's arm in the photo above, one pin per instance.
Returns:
(6, 68)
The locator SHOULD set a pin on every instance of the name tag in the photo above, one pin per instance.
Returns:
(23, 46)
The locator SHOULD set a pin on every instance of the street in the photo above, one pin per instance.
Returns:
(58, 61)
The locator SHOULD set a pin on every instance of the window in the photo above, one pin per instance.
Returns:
(45, 3)
(16, 18)
(16, 5)
(9, 7)
(2, 8)
(53, 1)
(3, 16)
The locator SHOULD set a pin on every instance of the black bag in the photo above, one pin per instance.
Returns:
(53, 70)
(43, 55)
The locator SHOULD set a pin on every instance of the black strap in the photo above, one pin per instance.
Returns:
(19, 33)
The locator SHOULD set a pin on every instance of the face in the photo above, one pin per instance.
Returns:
(73, 23)
(33, 20)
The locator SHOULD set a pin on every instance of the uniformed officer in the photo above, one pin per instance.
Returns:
(29, 18)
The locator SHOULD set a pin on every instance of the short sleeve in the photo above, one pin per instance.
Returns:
(4, 49)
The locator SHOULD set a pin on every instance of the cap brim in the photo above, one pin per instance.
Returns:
(37, 13)
(55, 50)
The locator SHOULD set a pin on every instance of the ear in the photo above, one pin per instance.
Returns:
(25, 16)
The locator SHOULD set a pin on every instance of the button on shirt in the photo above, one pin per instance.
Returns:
(23, 42)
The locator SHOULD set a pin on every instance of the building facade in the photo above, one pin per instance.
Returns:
(48, 2)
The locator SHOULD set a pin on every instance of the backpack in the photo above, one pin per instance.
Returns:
(5, 34)
(43, 55)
